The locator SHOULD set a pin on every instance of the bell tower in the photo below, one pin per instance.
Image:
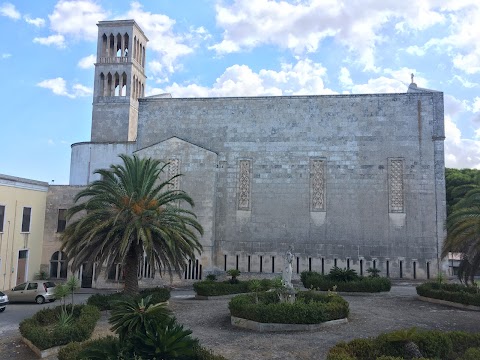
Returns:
(119, 81)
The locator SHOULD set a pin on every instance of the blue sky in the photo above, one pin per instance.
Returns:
(232, 48)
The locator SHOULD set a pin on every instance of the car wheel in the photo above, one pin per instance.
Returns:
(2, 309)
(39, 299)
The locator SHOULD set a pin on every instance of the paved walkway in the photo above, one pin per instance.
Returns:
(370, 315)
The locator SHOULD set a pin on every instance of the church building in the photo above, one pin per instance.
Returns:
(354, 181)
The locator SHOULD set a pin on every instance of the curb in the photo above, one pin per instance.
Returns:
(449, 303)
(276, 327)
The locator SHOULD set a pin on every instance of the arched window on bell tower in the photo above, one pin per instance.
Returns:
(120, 80)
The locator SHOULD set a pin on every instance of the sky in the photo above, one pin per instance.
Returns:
(211, 48)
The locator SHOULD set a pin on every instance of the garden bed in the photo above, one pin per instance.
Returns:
(44, 331)
(432, 344)
(309, 308)
(454, 293)
(314, 280)
(208, 288)
(105, 301)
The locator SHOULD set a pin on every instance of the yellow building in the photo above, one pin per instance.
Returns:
(22, 219)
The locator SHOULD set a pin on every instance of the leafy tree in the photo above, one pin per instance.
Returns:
(129, 213)
(458, 182)
(463, 235)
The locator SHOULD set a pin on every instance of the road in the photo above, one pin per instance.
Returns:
(15, 313)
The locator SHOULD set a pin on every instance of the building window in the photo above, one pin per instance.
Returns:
(58, 265)
(2, 217)
(62, 220)
(27, 214)
(116, 273)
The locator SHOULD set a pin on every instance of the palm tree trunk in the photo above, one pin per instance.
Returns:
(131, 272)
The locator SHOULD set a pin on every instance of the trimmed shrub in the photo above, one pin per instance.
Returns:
(71, 351)
(471, 354)
(40, 329)
(309, 308)
(467, 295)
(433, 344)
(158, 294)
(211, 288)
(314, 280)
(106, 301)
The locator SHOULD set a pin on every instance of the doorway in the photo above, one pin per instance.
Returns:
(22, 266)
(87, 275)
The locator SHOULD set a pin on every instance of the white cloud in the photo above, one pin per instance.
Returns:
(38, 22)
(77, 18)
(416, 50)
(87, 62)
(166, 45)
(465, 82)
(301, 26)
(55, 40)
(461, 44)
(301, 78)
(59, 87)
(9, 10)
(459, 151)
(6, 55)
(476, 105)
(344, 77)
(81, 90)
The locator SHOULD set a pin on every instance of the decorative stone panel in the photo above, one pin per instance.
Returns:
(317, 185)
(174, 169)
(244, 185)
(396, 202)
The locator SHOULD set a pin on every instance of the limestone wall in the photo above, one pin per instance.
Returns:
(280, 139)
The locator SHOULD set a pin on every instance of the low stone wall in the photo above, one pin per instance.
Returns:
(42, 353)
(274, 327)
(449, 303)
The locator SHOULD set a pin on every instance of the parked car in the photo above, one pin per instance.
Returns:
(37, 291)
(3, 301)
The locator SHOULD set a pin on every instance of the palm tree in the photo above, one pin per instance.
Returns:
(129, 213)
(463, 234)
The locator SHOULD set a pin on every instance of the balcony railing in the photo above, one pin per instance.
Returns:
(113, 59)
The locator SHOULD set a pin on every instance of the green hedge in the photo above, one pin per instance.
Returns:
(40, 329)
(314, 280)
(73, 350)
(309, 308)
(433, 344)
(467, 295)
(218, 288)
(104, 301)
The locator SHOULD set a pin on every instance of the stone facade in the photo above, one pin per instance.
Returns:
(349, 180)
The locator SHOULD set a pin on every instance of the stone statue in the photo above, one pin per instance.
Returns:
(287, 269)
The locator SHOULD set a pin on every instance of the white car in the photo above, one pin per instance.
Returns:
(3, 301)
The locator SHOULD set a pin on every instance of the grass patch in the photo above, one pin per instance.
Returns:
(433, 344)
(43, 331)
(467, 295)
(105, 301)
(218, 288)
(314, 280)
(309, 308)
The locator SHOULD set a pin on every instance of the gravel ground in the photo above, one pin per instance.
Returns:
(370, 315)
